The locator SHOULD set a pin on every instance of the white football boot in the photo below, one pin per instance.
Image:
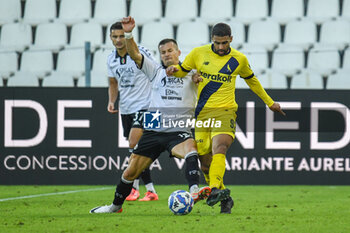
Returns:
(106, 209)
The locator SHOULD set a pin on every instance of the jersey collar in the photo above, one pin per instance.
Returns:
(117, 54)
(122, 59)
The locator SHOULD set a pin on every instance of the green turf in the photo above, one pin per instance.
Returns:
(257, 209)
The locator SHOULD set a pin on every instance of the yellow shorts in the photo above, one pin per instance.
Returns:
(204, 135)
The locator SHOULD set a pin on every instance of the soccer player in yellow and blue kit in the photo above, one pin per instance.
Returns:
(219, 65)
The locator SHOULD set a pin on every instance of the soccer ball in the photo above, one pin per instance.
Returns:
(180, 202)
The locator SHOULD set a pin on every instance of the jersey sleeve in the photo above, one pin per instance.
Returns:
(257, 88)
(246, 72)
(187, 65)
(109, 67)
(248, 75)
(110, 72)
(149, 67)
(147, 53)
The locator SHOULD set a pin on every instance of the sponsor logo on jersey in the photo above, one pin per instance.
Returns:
(170, 92)
(171, 98)
(171, 95)
(225, 73)
(124, 79)
(127, 86)
(125, 82)
(168, 81)
(217, 77)
(125, 70)
(163, 81)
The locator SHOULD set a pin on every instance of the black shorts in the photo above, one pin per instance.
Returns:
(153, 143)
(134, 120)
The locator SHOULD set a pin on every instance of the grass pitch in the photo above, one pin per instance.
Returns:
(257, 209)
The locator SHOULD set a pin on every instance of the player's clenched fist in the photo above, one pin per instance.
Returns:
(128, 23)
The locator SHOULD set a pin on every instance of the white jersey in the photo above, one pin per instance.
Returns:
(175, 98)
(133, 85)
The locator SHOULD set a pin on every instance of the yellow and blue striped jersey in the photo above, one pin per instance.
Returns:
(219, 77)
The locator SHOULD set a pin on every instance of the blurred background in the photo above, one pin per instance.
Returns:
(299, 48)
(291, 44)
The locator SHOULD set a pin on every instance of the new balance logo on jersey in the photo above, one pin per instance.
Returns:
(206, 63)
(152, 120)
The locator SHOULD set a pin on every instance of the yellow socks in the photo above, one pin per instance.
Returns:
(217, 171)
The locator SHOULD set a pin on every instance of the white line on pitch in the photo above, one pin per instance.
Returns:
(52, 194)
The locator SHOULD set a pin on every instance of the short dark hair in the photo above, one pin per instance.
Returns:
(116, 26)
(167, 40)
(221, 29)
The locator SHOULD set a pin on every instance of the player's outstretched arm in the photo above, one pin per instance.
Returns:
(131, 46)
(181, 70)
(176, 71)
(256, 87)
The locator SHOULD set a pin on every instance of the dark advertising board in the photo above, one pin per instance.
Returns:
(66, 136)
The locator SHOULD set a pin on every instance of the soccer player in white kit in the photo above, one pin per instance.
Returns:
(173, 98)
(134, 91)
